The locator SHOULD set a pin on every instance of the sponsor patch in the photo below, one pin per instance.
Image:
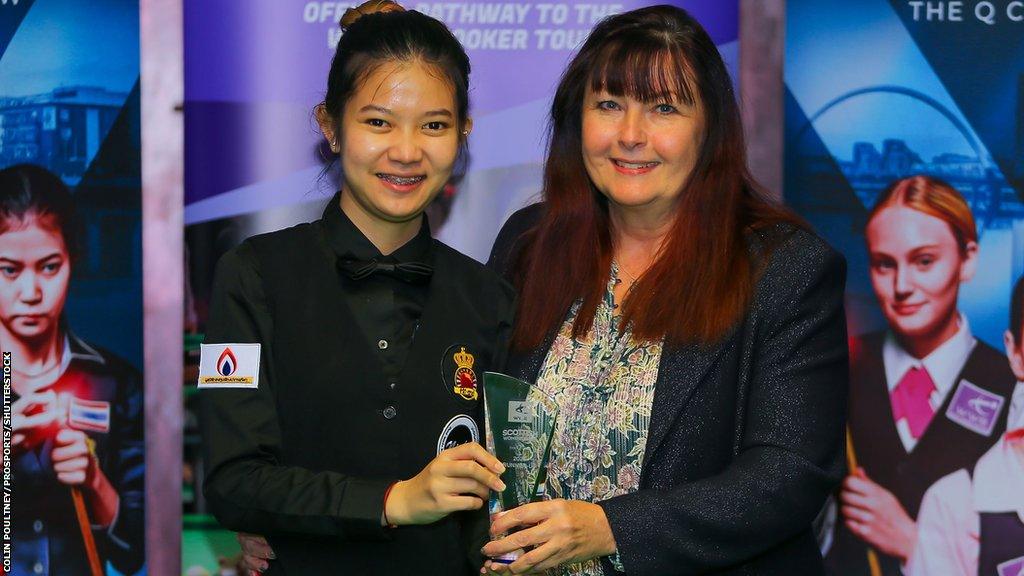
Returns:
(229, 366)
(457, 372)
(975, 408)
(89, 415)
(1013, 567)
(461, 429)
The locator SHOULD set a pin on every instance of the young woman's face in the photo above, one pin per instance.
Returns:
(399, 142)
(916, 270)
(34, 275)
(640, 153)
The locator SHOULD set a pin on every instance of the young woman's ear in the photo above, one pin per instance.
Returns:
(328, 127)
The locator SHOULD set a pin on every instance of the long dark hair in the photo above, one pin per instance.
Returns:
(702, 280)
(27, 189)
(381, 31)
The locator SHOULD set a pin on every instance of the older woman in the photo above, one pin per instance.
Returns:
(691, 330)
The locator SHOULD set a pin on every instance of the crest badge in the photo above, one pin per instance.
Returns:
(460, 364)
(465, 378)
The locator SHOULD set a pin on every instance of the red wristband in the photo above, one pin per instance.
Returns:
(387, 523)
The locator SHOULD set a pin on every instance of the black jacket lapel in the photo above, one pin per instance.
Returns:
(681, 369)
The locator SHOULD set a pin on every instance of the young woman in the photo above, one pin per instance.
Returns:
(926, 398)
(343, 357)
(691, 330)
(77, 410)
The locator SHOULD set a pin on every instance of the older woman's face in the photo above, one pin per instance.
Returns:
(640, 154)
(916, 270)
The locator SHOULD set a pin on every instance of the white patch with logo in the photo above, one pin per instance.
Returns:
(229, 366)
(459, 430)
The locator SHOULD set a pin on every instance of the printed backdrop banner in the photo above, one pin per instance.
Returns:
(71, 286)
(255, 70)
(928, 98)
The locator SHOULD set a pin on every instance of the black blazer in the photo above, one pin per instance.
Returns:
(746, 435)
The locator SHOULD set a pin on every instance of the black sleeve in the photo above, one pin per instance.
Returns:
(507, 245)
(791, 453)
(247, 485)
(123, 542)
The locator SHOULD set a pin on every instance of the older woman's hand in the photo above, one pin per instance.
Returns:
(560, 532)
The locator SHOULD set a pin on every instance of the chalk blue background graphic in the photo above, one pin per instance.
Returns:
(69, 101)
(873, 95)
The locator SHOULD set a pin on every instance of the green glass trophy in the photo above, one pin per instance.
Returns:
(520, 422)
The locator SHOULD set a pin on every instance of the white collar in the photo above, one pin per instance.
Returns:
(997, 481)
(1015, 418)
(76, 349)
(943, 364)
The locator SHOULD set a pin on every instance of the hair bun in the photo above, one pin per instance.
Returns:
(365, 9)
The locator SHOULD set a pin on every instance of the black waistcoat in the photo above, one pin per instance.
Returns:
(944, 447)
(338, 411)
(1002, 543)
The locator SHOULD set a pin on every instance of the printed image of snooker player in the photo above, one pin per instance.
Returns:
(972, 521)
(77, 411)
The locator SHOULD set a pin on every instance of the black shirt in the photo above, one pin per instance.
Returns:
(386, 309)
(305, 458)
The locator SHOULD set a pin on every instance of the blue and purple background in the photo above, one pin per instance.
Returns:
(255, 70)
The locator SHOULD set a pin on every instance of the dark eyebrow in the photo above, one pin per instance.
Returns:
(43, 259)
(375, 108)
(441, 112)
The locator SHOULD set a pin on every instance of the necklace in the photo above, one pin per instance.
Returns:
(633, 279)
(632, 282)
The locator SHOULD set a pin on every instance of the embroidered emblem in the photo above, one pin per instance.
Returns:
(465, 378)
(461, 429)
(975, 408)
(229, 366)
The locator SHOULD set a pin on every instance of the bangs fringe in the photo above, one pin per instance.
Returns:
(640, 67)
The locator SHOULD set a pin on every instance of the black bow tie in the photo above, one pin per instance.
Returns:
(412, 272)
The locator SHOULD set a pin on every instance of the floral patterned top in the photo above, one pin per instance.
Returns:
(603, 387)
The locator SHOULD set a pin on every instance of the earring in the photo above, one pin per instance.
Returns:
(465, 132)
(334, 146)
